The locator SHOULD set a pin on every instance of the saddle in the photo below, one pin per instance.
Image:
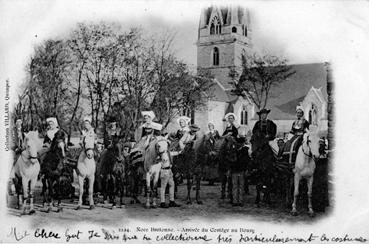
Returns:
(291, 148)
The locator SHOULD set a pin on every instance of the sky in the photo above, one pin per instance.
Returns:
(299, 31)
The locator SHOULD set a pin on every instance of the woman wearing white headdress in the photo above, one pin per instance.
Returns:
(183, 122)
(88, 130)
(146, 128)
(299, 127)
(53, 127)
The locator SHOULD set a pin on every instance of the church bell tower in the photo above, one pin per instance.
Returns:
(224, 35)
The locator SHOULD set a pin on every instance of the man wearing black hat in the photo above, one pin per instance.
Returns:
(265, 127)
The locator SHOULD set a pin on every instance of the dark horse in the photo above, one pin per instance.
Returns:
(54, 173)
(112, 169)
(262, 167)
(192, 164)
(226, 154)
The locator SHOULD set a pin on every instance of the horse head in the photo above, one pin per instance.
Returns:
(230, 148)
(58, 144)
(89, 146)
(311, 144)
(162, 146)
(118, 148)
(32, 145)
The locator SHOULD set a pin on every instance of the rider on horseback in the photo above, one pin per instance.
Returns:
(112, 132)
(145, 128)
(232, 126)
(299, 127)
(53, 127)
(265, 128)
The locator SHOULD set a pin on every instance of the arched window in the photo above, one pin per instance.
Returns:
(244, 115)
(215, 28)
(313, 115)
(234, 29)
(212, 29)
(215, 56)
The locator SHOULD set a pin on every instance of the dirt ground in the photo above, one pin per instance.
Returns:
(212, 209)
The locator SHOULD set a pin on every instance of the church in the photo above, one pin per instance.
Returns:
(224, 34)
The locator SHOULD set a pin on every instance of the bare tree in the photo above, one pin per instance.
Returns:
(260, 73)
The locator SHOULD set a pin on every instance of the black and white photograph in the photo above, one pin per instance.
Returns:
(183, 121)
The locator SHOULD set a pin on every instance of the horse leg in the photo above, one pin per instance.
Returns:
(230, 186)
(155, 189)
(198, 181)
(123, 190)
(18, 188)
(258, 190)
(112, 192)
(223, 179)
(189, 185)
(310, 189)
(25, 194)
(91, 181)
(267, 190)
(80, 182)
(32, 187)
(295, 193)
(148, 191)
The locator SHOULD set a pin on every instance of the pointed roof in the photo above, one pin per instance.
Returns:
(228, 15)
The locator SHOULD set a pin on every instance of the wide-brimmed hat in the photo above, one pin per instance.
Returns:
(184, 118)
(52, 119)
(263, 111)
(230, 114)
(194, 127)
(151, 114)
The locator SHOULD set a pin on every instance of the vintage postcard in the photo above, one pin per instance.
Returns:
(184, 121)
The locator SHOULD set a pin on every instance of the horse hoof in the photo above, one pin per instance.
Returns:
(92, 207)
(294, 213)
(78, 208)
(199, 202)
(60, 210)
(113, 207)
(189, 202)
(311, 214)
(147, 206)
(132, 202)
(32, 211)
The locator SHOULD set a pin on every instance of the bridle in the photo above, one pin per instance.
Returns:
(29, 159)
(88, 148)
(309, 154)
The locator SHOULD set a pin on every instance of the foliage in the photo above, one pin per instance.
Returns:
(101, 71)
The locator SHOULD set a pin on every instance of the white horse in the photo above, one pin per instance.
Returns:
(305, 167)
(27, 168)
(86, 167)
(152, 149)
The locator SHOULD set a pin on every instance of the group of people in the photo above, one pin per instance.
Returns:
(186, 134)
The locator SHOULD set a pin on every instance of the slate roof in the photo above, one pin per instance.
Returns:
(287, 95)
(291, 92)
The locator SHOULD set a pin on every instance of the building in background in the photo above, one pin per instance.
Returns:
(224, 34)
